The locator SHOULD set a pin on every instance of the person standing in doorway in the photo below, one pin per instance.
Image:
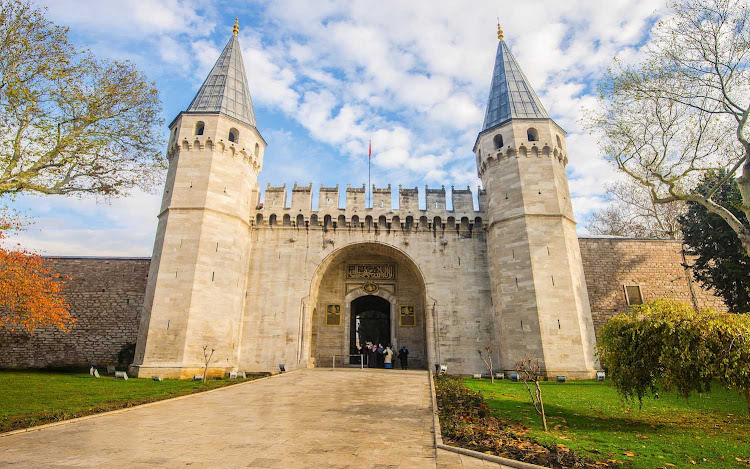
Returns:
(403, 357)
(371, 355)
(381, 361)
(388, 357)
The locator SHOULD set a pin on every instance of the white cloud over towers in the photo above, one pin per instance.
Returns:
(412, 76)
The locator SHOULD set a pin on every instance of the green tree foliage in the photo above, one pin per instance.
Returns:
(69, 122)
(721, 262)
(667, 345)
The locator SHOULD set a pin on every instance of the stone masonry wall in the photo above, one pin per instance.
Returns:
(106, 296)
(611, 263)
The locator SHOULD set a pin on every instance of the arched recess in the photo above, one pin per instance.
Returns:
(406, 270)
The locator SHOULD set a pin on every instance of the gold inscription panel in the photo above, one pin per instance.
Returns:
(406, 316)
(333, 315)
(371, 271)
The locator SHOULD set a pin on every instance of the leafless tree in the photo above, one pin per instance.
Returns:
(529, 369)
(683, 110)
(632, 213)
(487, 359)
(207, 359)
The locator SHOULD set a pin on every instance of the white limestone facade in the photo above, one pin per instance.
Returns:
(284, 282)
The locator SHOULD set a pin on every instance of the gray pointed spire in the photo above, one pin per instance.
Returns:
(225, 90)
(511, 95)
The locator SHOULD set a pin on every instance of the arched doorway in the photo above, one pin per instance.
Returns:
(370, 323)
(361, 277)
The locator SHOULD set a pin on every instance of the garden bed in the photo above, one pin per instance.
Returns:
(467, 421)
(590, 421)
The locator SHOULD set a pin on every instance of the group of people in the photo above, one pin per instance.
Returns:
(382, 357)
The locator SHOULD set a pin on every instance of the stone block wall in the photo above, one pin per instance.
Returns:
(106, 296)
(655, 265)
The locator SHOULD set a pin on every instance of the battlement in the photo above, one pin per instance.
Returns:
(356, 213)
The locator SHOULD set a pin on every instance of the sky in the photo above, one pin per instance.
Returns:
(328, 76)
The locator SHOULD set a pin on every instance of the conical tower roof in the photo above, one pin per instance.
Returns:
(511, 94)
(226, 90)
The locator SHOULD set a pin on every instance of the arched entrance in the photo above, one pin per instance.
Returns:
(370, 323)
(367, 291)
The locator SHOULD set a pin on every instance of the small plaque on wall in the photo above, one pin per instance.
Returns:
(333, 315)
(406, 316)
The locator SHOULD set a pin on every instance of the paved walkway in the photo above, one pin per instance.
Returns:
(318, 418)
(313, 418)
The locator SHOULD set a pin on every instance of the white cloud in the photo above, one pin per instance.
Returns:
(412, 76)
(64, 226)
(134, 18)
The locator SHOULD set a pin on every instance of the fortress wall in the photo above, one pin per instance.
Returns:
(276, 197)
(106, 296)
(408, 199)
(302, 197)
(278, 319)
(381, 214)
(655, 265)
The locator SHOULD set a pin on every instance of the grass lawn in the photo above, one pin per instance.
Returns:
(710, 430)
(29, 398)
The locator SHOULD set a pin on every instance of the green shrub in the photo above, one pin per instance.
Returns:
(665, 344)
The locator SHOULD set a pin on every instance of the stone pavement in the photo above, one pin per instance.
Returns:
(317, 418)
(321, 418)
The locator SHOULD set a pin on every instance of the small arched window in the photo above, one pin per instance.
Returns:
(532, 134)
(234, 135)
(199, 126)
(498, 141)
(559, 142)
(257, 150)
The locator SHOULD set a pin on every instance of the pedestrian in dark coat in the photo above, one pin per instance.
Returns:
(372, 356)
(403, 357)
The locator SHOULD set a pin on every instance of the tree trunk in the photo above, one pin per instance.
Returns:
(541, 404)
(744, 185)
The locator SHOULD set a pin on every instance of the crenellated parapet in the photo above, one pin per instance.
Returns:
(532, 150)
(356, 214)
(209, 133)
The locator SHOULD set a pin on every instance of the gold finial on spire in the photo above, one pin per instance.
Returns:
(236, 28)
(500, 34)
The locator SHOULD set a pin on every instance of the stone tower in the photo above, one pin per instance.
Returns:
(198, 275)
(539, 295)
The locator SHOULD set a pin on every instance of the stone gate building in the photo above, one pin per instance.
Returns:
(298, 285)
(288, 283)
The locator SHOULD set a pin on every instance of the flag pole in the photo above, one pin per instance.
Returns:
(369, 160)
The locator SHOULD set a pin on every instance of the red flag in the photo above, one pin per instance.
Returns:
(369, 156)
